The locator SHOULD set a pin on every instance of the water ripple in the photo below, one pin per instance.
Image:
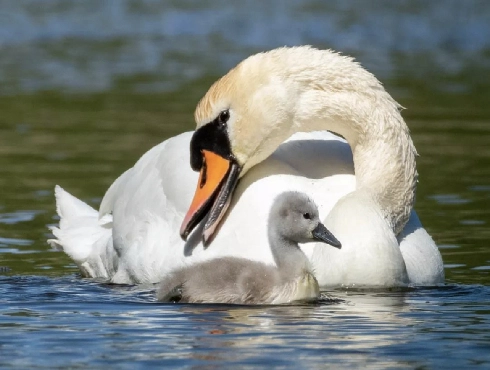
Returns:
(66, 319)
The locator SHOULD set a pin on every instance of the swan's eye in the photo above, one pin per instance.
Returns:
(306, 216)
(224, 116)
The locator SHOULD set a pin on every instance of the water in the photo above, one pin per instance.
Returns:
(67, 321)
(87, 87)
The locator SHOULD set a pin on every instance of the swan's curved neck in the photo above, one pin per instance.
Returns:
(303, 89)
(383, 151)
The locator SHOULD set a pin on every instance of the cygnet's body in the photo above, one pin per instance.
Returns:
(293, 219)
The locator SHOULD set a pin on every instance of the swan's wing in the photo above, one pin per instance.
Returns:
(422, 257)
(317, 154)
(148, 203)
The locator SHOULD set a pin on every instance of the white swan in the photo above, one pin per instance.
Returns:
(243, 119)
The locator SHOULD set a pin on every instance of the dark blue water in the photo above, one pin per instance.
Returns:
(87, 87)
(67, 321)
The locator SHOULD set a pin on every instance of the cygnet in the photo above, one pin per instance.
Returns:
(293, 219)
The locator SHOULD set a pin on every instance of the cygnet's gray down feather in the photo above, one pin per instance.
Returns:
(293, 219)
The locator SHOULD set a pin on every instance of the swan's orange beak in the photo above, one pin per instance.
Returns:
(217, 179)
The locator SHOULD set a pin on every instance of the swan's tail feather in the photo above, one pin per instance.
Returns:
(82, 236)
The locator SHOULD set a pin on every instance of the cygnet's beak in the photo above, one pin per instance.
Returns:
(218, 178)
(321, 233)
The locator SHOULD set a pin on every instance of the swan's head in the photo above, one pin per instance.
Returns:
(249, 112)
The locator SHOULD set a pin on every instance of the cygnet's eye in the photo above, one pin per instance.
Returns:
(306, 216)
(224, 116)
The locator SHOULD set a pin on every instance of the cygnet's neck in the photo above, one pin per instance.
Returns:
(290, 259)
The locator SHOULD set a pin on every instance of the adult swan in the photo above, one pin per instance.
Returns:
(242, 123)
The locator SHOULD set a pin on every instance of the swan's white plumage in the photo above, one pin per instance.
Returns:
(83, 236)
(148, 202)
(146, 233)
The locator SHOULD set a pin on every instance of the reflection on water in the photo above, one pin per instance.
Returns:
(69, 318)
(87, 87)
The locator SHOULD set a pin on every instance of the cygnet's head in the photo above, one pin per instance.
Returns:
(294, 216)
